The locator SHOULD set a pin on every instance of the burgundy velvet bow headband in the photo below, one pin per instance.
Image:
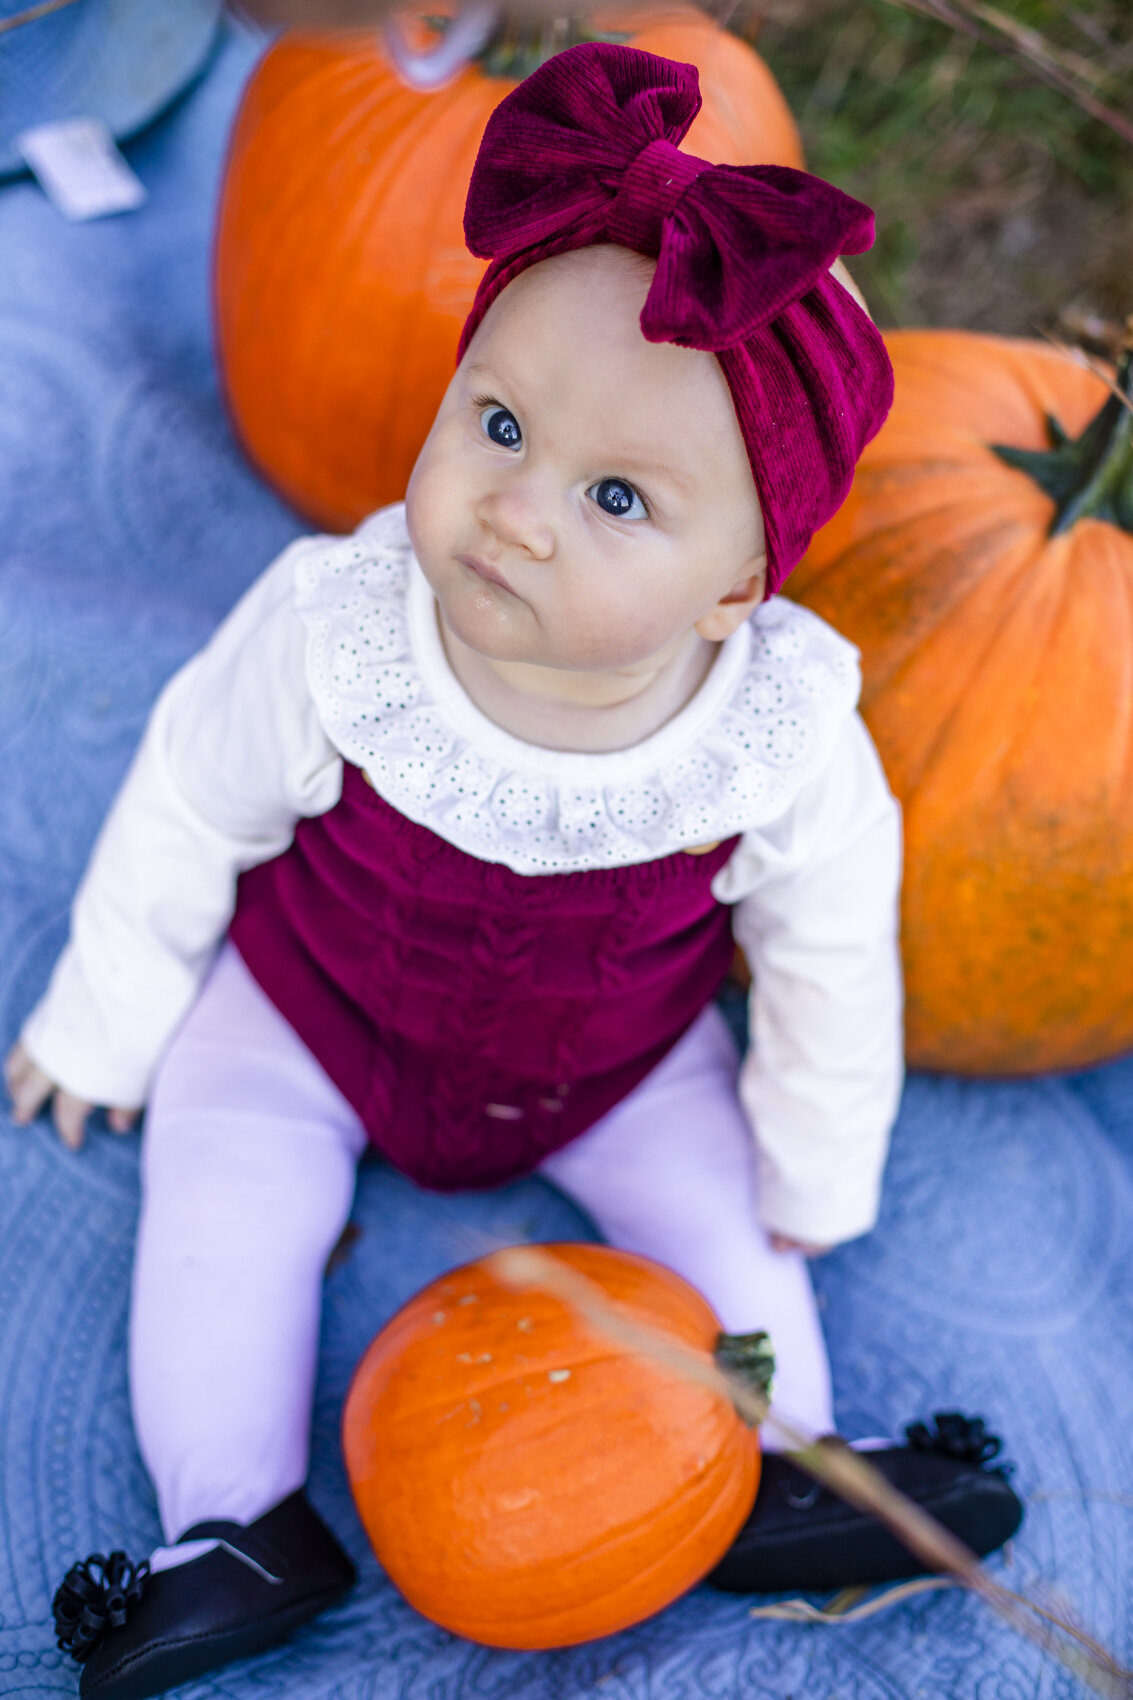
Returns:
(585, 151)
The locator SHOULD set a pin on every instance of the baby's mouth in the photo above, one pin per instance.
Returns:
(483, 570)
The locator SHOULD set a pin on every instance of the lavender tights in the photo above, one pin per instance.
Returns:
(248, 1168)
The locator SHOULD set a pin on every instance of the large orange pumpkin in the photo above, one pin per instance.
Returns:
(992, 597)
(527, 1483)
(341, 275)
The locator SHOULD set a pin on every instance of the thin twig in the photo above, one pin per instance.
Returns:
(829, 1461)
(851, 1606)
(33, 13)
(1033, 45)
(1081, 358)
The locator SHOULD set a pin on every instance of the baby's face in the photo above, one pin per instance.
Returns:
(584, 498)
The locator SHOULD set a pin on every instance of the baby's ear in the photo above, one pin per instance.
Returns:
(735, 607)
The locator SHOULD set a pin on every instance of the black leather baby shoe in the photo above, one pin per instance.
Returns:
(801, 1536)
(137, 1634)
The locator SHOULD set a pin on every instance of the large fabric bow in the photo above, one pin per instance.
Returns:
(586, 150)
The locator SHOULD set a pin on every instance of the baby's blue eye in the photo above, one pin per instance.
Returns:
(502, 427)
(615, 496)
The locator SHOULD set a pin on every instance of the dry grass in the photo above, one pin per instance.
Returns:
(1001, 201)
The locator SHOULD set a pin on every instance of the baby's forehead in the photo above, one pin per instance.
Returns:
(589, 299)
(601, 265)
(565, 339)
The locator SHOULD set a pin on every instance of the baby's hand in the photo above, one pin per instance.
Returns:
(780, 1242)
(31, 1088)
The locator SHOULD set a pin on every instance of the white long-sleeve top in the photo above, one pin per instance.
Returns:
(335, 654)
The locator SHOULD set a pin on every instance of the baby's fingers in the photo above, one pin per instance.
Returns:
(29, 1087)
(121, 1121)
(780, 1242)
(70, 1115)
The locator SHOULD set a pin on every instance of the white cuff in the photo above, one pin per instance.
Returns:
(817, 1215)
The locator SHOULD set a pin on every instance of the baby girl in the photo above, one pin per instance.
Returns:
(474, 804)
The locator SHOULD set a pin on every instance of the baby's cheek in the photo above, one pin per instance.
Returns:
(613, 627)
(428, 503)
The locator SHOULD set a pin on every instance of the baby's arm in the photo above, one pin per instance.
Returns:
(233, 755)
(816, 914)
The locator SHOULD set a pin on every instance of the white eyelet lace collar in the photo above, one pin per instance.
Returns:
(764, 721)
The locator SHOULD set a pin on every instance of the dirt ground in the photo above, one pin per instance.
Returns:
(1001, 205)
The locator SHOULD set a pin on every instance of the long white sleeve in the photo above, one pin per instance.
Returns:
(234, 754)
(816, 898)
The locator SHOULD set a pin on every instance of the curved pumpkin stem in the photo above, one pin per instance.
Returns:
(752, 1358)
(429, 68)
(1091, 476)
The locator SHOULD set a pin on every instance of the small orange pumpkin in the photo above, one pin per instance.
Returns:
(341, 276)
(527, 1483)
(984, 565)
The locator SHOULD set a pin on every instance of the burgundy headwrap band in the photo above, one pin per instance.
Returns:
(585, 151)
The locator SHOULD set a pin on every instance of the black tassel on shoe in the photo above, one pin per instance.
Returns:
(964, 1439)
(93, 1597)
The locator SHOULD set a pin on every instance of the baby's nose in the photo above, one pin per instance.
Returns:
(519, 519)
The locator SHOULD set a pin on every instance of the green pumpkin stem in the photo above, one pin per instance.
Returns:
(1091, 476)
(751, 1357)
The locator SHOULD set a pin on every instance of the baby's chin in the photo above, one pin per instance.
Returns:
(498, 626)
(494, 622)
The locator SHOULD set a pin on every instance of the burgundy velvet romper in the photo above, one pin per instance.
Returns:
(477, 1019)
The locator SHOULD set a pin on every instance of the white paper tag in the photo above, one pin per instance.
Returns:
(78, 165)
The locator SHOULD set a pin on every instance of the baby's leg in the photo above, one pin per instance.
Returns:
(248, 1169)
(670, 1172)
